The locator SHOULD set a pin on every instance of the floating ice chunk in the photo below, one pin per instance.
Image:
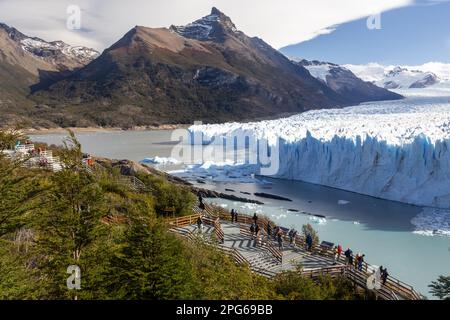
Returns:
(318, 220)
(250, 206)
(432, 222)
(160, 160)
(343, 202)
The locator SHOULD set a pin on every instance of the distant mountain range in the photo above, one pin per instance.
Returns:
(207, 70)
(404, 77)
(343, 81)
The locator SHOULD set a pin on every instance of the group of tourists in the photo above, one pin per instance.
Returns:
(355, 261)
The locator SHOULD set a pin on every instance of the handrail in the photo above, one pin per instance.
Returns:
(182, 221)
(275, 252)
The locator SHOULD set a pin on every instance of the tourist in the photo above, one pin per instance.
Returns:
(361, 262)
(350, 259)
(252, 229)
(309, 242)
(199, 224)
(339, 252)
(232, 215)
(235, 216)
(200, 198)
(275, 232)
(257, 232)
(348, 254)
(356, 261)
(255, 218)
(294, 235)
(384, 275)
(280, 239)
(269, 231)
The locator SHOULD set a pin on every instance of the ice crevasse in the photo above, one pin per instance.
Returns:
(395, 150)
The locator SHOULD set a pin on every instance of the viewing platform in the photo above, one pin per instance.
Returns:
(263, 255)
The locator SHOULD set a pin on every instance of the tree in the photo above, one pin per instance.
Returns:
(168, 195)
(68, 224)
(308, 229)
(19, 188)
(441, 288)
(217, 277)
(150, 264)
(292, 285)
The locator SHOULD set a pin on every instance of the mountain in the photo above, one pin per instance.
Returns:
(26, 61)
(207, 70)
(399, 77)
(346, 83)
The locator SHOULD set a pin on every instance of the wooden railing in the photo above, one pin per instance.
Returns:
(332, 271)
(215, 222)
(182, 221)
(267, 245)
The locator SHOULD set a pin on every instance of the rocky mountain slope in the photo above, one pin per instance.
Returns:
(207, 70)
(346, 83)
(26, 61)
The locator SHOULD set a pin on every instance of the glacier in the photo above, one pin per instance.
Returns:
(395, 150)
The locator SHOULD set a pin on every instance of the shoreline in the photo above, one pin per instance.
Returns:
(61, 130)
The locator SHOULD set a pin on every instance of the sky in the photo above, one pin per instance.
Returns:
(413, 35)
(103, 22)
(412, 31)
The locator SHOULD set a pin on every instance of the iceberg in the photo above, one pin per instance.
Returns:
(395, 150)
(160, 161)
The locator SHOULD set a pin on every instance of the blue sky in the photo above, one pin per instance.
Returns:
(278, 22)
(409, 35)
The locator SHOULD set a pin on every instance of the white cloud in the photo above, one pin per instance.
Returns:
(278, 22)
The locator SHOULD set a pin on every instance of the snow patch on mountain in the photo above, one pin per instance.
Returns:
(320, 71)
(45, 49)
(204, 28)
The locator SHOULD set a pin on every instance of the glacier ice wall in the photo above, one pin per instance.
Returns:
(391, 150)
(416, 173)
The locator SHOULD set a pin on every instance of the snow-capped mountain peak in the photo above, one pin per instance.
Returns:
(51, 52)
(210, 27)
(403, 77)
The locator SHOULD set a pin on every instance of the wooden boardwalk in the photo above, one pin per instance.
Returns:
(264, 257)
